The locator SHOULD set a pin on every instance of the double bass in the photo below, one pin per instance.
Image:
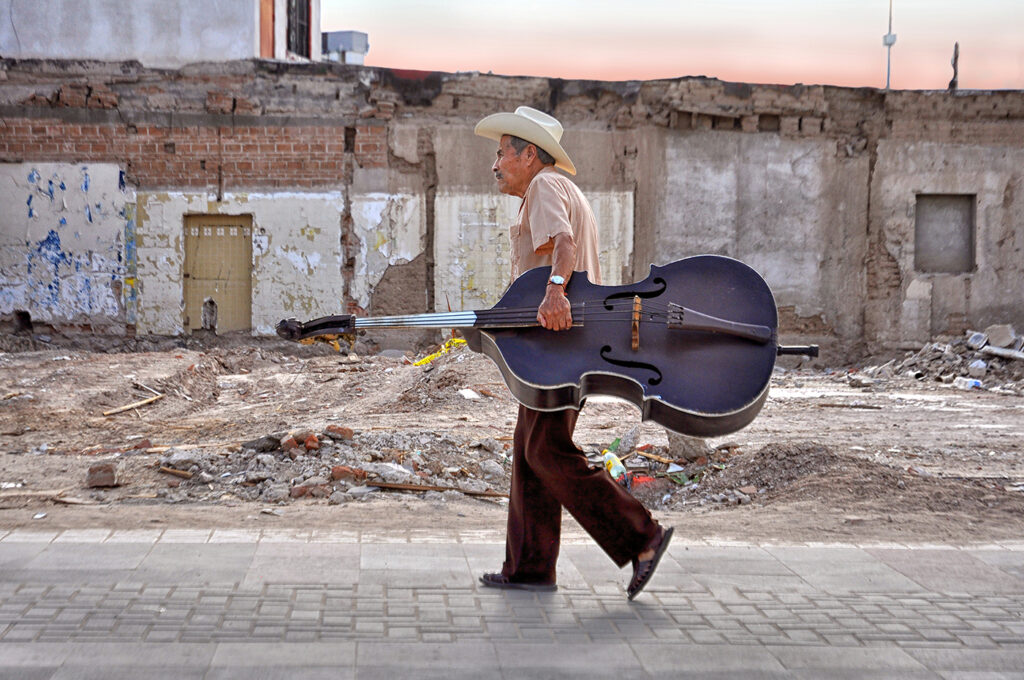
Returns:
(693, 345)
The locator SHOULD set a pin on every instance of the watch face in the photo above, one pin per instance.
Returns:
(557, 280)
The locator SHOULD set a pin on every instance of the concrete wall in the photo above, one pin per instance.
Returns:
(66, 237)
(787, 207)
(155, 32)
(919, 305)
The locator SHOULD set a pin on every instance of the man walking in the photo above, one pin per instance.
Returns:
(555, 227)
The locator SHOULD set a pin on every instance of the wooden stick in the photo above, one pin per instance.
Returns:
(129, 407)
(652, 456)
(870, 407)
(430, 487)
(184, 474)
(145, 387)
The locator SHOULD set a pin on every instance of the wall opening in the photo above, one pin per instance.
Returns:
(944, 233)
(218, 273)
(22, 321)
(298, 27)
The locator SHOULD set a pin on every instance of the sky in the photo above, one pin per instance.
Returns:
(827, 42)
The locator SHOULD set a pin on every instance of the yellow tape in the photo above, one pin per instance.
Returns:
(445, 348)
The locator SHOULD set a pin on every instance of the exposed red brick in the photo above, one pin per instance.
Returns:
(104, 474)
(348, 474)
(339, 432)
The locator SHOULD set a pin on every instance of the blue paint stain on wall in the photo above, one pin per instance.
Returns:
(48, 253)
(88, 213)
(33, 176)
(49, 189)
(63, 187)
(64, 222)
(29, 204)
(120, 180)
(85, 182)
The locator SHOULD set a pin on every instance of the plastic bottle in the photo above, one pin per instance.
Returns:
(615, 468)
(962, 383)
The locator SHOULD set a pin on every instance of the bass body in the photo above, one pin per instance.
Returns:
(693, 345)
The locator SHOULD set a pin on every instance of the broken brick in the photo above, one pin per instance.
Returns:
(338, 432)
(311, 490)
(289, 443)
(73, 95)
(107, 473)
(348, 474)
(311, 443)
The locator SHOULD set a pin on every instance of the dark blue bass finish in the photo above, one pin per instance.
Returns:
(694, 381)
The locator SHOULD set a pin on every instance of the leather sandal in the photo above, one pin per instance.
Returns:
(643, 571)
(502, 581)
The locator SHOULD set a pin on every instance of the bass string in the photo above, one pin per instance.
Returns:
(594, 310)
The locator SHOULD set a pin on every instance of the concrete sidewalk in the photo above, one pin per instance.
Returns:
(280, 604)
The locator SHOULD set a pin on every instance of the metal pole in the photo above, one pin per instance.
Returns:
(888, 51)
(889, 39)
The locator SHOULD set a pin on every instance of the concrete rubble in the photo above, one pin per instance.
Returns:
(993, 359)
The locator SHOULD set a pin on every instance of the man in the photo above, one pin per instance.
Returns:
(555, 227)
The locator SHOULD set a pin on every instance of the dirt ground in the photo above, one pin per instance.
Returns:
(833, 456)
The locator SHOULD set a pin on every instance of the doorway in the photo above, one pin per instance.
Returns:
(218, 273)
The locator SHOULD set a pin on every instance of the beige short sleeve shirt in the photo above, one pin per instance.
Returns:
(553, 205)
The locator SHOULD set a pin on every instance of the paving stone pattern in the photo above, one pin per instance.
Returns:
(98, 603)
(127, 612)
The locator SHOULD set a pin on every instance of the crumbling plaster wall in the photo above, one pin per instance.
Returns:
(297, 255)
(472, 265)
(799, 181)
(916, 306)
(67, 244)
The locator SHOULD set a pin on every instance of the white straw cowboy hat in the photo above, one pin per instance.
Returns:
(534, 126)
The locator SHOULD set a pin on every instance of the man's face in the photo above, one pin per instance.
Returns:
(512, 169)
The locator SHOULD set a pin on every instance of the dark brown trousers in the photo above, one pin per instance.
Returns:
(548, 473)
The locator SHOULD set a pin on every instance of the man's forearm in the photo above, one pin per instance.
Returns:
(563, 256)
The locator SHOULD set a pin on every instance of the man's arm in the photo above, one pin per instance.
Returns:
(555, 312)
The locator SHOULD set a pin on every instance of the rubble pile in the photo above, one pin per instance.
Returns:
(990, 360)
(446, 379)
(337, 464)
(773, 467)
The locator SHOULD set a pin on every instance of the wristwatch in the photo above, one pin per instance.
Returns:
(558, 281)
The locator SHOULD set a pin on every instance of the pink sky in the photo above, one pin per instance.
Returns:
(834, 42)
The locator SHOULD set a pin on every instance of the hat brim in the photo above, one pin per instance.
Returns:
(498, 124)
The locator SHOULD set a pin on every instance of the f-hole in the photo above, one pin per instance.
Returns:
(629, 294)
(628, 363)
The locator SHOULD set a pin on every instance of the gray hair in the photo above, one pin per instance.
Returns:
(518, 143)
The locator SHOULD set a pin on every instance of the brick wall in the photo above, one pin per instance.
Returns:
(227, 157)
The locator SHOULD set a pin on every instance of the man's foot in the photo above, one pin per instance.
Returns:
(502, 581)
(646, 562)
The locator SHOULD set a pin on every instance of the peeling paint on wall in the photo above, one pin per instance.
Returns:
(472, 265)
(297, 254)
(63, 260)
(390, 229)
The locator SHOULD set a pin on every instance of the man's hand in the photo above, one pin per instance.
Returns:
(555, 312)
